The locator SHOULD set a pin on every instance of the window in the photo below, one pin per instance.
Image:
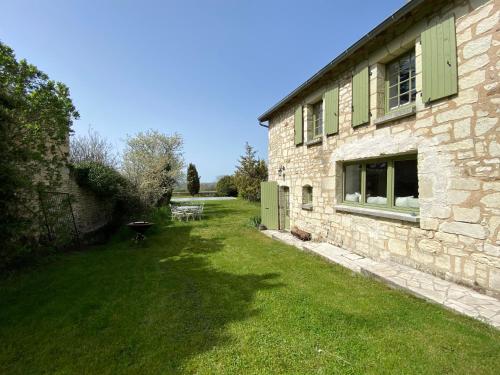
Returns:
(307, 197)
(390, 183)
(352, 183)
(317, 120)
(400, 82)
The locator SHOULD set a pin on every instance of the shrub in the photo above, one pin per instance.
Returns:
(101, 179)
(255, 221)
(226, 187)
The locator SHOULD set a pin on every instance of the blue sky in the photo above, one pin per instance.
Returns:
(204, 69)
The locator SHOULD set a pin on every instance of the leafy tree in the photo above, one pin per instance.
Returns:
(92, 147)
(250, 172)
(193, 180)
(153, 162)
(226, 187)
(36, 115)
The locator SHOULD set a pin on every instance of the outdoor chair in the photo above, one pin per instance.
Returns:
(199, 212)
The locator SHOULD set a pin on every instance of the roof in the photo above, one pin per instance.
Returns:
(389, 21)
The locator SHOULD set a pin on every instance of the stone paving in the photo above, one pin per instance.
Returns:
(453, 296)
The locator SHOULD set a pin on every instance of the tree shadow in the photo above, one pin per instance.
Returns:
(127, 308)
(192, 302)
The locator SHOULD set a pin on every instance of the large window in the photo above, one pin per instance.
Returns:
(317, 119)
(390, 183)
(400, 82)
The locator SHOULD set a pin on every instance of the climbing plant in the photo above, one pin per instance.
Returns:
(36, 114)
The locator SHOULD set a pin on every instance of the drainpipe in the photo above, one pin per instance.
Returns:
(263, 125)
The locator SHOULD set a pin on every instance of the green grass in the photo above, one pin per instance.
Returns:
(218, 297)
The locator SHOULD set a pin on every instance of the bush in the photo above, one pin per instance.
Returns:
(255, 221)
(101, 179)
(226, 187)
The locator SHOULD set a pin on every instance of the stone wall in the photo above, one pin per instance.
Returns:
(458, 145)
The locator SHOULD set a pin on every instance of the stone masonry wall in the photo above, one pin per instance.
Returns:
(458, 145)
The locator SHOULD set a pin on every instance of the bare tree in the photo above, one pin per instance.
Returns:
(92, 147)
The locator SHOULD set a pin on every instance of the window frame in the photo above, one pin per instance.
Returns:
(307, 191)
(387, 83)
(390, 205)
(315, 119)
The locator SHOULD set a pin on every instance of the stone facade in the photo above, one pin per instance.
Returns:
(457, 142)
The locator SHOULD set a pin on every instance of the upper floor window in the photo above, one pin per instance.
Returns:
(400, 81)
(317, 119)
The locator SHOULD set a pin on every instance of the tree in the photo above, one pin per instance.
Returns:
(92, 148)
(153, 162)
(226, 187)
(36, 115)
(250, 172)
(193, 180)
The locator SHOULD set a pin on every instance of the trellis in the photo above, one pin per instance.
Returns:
(58, 218)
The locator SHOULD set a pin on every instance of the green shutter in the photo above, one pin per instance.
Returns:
(439, 60)
(269, 204)
(360, 96)
(332, 111)
(299, 126)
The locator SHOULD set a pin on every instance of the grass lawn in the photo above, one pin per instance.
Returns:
(218, 297)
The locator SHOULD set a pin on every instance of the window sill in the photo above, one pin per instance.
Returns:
(314, 141)
(403, 216)
(396, 115)
(307, 207)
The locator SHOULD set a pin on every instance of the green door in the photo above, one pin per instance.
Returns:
(284, 207)
(269, 204)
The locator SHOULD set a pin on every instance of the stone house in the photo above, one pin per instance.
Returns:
(392, 150)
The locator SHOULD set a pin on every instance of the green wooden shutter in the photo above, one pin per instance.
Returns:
(332, 111)
(299, 126)
(439, 60)
(269, 204)
(360, 96)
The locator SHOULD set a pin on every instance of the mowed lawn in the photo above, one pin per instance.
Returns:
(218, 297)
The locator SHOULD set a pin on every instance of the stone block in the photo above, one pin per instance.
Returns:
(467, 215)
(429, 246)
(465, 229)
(457, 196)
(462, 183)
(461, 129)
(492, 250)
(488, 23)
(397, 246)
(485, 124)
(477, 46)
(455, 114)
(491, 200)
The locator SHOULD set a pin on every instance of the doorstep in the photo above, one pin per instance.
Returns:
(423, 285)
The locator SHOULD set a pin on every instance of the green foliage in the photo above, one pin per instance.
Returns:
(101, 179)
(193, 180)
(249, 174)
(255, 221)
(226, 187)
(153, 163)
(36, 115)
